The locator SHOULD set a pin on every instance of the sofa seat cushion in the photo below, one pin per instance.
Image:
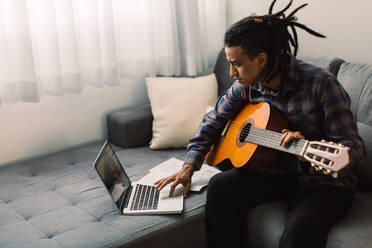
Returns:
(356, 228)
(59, 201)
(266, 225)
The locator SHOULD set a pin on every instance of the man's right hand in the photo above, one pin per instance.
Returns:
(183, 176)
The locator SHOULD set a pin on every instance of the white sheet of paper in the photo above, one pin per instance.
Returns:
(199, 180)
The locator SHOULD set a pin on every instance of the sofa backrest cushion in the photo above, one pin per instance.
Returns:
(357, 81)
(222, 72)
(330, 65)
(353, 78)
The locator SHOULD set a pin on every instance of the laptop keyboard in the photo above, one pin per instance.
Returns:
(145, 198)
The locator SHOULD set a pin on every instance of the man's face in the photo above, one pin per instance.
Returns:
(247, 71)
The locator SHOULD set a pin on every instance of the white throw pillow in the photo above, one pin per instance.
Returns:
(178, 106)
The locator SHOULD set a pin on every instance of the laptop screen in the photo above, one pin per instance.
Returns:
(111, 172)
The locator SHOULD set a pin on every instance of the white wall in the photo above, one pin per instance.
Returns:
(33, 129)
(347, 25)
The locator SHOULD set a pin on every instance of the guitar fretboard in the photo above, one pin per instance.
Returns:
(271, 139)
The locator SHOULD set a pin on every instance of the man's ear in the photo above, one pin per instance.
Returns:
(262, 58)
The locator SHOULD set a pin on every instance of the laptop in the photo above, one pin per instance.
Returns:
(133, 198)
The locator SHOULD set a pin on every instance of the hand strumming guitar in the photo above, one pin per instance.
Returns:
(183, 176)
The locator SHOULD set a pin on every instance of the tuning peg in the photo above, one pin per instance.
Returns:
(323, 141)
(313, 165)
(318, 168)
(332, 143)
(326, 171)
(341, 145)
(335, 175)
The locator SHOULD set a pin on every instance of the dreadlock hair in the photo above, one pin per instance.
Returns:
(269, 33)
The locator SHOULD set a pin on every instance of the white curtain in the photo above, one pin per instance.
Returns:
(52, 47)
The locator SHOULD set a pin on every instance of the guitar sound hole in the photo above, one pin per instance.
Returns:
(244, 132)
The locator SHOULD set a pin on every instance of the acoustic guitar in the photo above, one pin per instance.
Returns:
(252, 140)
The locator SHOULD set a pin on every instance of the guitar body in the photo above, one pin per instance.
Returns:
(231, 151)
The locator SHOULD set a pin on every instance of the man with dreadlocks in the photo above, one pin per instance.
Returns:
(259, 49)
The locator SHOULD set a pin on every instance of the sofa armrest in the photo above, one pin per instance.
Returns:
(130, 126)
(222, 72)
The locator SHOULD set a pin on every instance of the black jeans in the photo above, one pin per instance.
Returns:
(309, 218)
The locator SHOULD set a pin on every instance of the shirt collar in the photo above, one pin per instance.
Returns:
(291, 84)
(293, 75)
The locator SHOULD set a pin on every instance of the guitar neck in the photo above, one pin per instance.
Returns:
(272, 139)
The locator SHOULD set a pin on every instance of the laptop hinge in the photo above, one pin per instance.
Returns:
(126, 198)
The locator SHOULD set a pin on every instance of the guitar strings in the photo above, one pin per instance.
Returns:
(267, 137)
(236, 125)
(262, 131)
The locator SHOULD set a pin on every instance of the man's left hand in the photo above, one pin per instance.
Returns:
(288, 136)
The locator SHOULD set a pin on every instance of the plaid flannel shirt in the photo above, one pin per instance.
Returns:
(315, 104)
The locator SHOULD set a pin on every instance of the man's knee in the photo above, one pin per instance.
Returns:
(216, 182)
(225, 181)
(222, 187)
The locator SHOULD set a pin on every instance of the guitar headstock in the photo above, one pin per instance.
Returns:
(327, 157)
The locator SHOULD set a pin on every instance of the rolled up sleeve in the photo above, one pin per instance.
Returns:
(213, 123)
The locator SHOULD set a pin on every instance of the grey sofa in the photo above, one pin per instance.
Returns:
(58, 201)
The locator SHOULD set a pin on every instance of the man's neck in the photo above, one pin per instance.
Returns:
(274, 83)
